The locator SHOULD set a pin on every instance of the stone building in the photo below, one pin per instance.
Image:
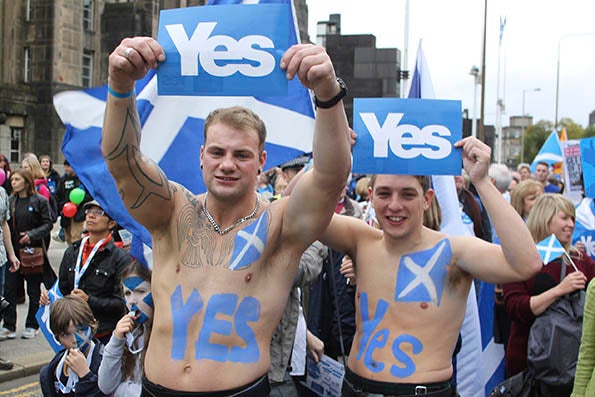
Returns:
(48, 46)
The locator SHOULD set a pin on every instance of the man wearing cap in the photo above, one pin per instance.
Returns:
(91, 269)
(73, 227)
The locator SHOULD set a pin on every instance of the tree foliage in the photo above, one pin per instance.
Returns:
(535, 137)
(573, 130)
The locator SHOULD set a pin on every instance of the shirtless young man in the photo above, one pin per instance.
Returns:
(413, 282)
(224, 262)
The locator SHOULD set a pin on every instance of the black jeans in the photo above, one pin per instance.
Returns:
(33, 291)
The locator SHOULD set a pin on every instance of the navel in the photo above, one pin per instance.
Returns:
(248, 277)
(187, 369)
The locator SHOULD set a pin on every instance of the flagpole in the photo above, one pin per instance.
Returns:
(571, 262)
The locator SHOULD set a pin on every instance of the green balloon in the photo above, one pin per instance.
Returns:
(77, 195)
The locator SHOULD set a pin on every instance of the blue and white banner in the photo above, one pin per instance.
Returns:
(407, 136)
(584, 227)
(550, 249)
(43, 317)
(226, 50)
(477, 357)
(588, 160)
(172, 128)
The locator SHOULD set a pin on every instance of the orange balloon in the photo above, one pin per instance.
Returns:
(69, 210)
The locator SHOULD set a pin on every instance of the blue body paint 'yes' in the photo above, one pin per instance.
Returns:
(181, 314)
(409, 365)
(422, 275)
(247, 311)
(249, 243)
(369, 325)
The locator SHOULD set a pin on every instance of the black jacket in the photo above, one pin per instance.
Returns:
(86, 386)
(101, 282)
(66, 185)
(36, 221)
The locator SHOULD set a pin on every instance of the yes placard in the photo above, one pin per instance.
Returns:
(407, 136)
(228, 50)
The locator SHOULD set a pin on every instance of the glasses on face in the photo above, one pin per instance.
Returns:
(95, 212)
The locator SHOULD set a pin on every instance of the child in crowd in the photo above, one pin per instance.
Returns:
(121, 370)
(73, 371)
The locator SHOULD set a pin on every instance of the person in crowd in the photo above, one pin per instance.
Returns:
(51, 175)
(501, 178)
(29, 225)
(7, 259)
(73, 370)
(30, 163)
(523, 196)
(524, 301)
(542, 171)
(524, 171)
(361, 189)
(584, 379)
(121, 370)
(91, 268)
(472, 207)
(202, 270)
(516, 179)
(5, 166)
(73, 227)
(554, 180)
(413, 282)
(264, 188)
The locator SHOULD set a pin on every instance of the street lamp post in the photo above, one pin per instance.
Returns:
(558, 71)
(524, 120)
(476, 81)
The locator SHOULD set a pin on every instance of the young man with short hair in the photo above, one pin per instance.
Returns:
(413, 282)
(224, 260)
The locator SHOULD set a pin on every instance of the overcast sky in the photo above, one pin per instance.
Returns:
(452, 32)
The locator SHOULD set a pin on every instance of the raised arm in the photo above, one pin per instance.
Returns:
(315, 196)
(517, 258)
(144, 188)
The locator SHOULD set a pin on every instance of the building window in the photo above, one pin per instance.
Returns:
(27, 76)
(28, 11)
(87, 72)
(87, 15)
(15, 144)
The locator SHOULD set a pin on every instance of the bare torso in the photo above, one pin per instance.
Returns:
(217, 298)
(409, 309)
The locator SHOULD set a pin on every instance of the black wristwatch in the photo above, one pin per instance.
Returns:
(334, 100)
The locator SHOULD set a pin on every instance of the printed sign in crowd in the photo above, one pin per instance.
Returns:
(407, 136)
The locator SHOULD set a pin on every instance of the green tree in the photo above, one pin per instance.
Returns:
(535, 137)
(589, 132)
(573, 130)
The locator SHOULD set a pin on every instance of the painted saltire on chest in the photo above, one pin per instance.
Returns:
(421, 277)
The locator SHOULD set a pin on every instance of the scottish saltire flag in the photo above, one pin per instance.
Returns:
(550, 152)
(249, 243)
(469, 379)
(550, 249)
(584, 227)
(173, 134)
(43, 317)
(588, 162)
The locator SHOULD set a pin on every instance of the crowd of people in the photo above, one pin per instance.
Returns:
(268, 268)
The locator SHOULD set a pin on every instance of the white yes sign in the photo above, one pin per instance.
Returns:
(203, 47)
(397, 136)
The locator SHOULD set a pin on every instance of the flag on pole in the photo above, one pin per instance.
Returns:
(550, 152)
(469, 379)
(173, 134)
(584, 228)
(550, 249)
(43, 317)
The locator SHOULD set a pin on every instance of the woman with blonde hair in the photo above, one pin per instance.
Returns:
(523, 196)
(41, 184)
(524, 301)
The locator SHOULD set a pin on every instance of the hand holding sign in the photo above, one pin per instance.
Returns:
(313, 67)
(476, 158)
(131, 61)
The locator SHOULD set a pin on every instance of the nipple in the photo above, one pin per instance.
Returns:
(178, 268)
(423, 305)
(187, 369)
(248, 277)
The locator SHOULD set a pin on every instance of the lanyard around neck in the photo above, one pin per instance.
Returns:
(78, 271)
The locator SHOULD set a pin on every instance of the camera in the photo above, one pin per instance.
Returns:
(3, 304)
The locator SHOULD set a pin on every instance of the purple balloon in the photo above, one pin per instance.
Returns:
(2, 176)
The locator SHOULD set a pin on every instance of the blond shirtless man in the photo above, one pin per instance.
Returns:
(413, 282)
(224, 261)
